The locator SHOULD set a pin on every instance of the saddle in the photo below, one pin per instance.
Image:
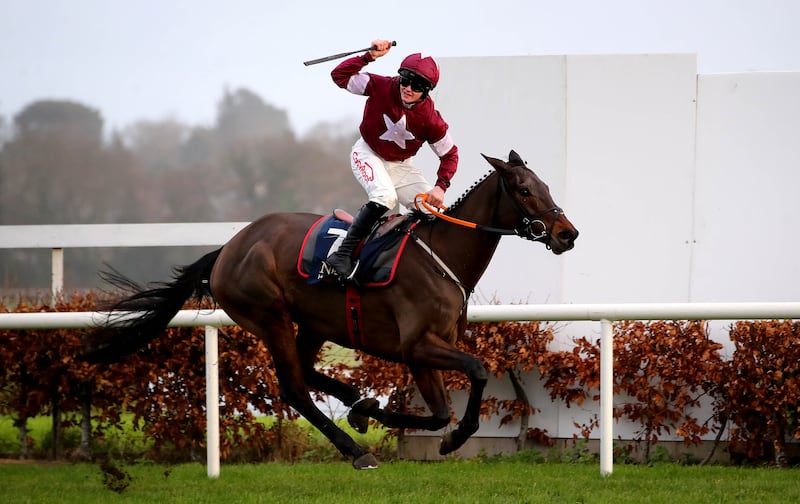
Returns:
(378, 253)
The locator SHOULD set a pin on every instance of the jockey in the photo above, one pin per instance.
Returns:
(399, 117)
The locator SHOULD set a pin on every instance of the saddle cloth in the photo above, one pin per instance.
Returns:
(378, 254)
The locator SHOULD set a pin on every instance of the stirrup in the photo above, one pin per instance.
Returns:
(332, 273)
(327, 270)
(353, 270)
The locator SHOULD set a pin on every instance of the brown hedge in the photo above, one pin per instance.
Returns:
(662, 371)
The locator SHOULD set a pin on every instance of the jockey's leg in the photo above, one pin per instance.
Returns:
(342, 259)
(370, 171)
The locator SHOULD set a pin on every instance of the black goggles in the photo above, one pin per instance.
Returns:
(417, 83)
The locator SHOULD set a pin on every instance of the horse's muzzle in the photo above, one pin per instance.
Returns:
(563, 240)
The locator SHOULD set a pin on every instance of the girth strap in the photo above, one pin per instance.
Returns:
(355, 322)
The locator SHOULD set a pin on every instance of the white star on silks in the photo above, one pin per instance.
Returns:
(396, 131)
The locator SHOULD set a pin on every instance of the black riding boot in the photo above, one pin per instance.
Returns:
(342, 259)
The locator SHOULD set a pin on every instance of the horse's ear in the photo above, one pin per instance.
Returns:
(515, 159)
(498, 164)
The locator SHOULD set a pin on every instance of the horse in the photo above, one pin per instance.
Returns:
(415, 320)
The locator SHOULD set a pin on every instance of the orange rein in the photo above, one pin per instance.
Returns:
(422, 199)
(526, 231)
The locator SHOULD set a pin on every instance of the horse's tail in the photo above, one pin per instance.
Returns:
(125, 331)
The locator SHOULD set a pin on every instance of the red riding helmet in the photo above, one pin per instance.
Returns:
(424, 66)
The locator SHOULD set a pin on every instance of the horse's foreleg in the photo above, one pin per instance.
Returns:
(362, 409)
(433, 352)
(432, 390)
(470, 422)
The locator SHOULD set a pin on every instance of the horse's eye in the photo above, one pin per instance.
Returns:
(524, 192)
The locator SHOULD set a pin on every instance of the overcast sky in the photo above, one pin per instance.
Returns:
(158, 59)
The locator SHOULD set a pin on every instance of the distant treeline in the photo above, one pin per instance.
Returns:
(58, 167)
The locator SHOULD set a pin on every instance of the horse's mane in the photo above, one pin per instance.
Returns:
(461, 198)
(423, 216)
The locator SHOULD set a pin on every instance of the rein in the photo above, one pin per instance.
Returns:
(526, 231)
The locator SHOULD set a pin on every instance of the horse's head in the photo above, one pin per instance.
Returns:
(537, 217)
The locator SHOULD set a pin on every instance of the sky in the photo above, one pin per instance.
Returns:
(156, 60)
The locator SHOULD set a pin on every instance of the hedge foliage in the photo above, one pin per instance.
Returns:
(662, 370)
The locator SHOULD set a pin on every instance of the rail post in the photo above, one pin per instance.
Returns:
(606, 398)
(212, 401)
(56, 274)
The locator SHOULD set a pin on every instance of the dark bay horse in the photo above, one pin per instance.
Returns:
(415, 320)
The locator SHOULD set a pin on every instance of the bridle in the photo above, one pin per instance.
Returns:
(533, 227)
(529, 222)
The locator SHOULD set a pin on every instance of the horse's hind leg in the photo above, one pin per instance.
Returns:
(281, 344)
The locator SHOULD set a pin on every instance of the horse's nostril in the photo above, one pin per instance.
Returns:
(568, 235)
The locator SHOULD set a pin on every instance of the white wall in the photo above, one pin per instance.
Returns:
(494, 105)
(683, 187)
(747, 212)
(613, 136)
(630, 141)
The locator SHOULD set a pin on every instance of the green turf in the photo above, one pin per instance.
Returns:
(439, 482)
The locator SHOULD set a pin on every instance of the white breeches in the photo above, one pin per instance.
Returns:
(387, 182)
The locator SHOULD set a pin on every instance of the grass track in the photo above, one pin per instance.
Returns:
(402, 482)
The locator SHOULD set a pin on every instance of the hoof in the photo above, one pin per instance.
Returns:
(358, 422)
(356, 417)
(455, 439)
(446, 444)
(366, 461)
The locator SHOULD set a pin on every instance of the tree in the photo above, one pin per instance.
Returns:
(200, 148)
(54, 173)
(158, 144)
(5, 132)
(59, 115)
(56, 169)
(243, 114)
